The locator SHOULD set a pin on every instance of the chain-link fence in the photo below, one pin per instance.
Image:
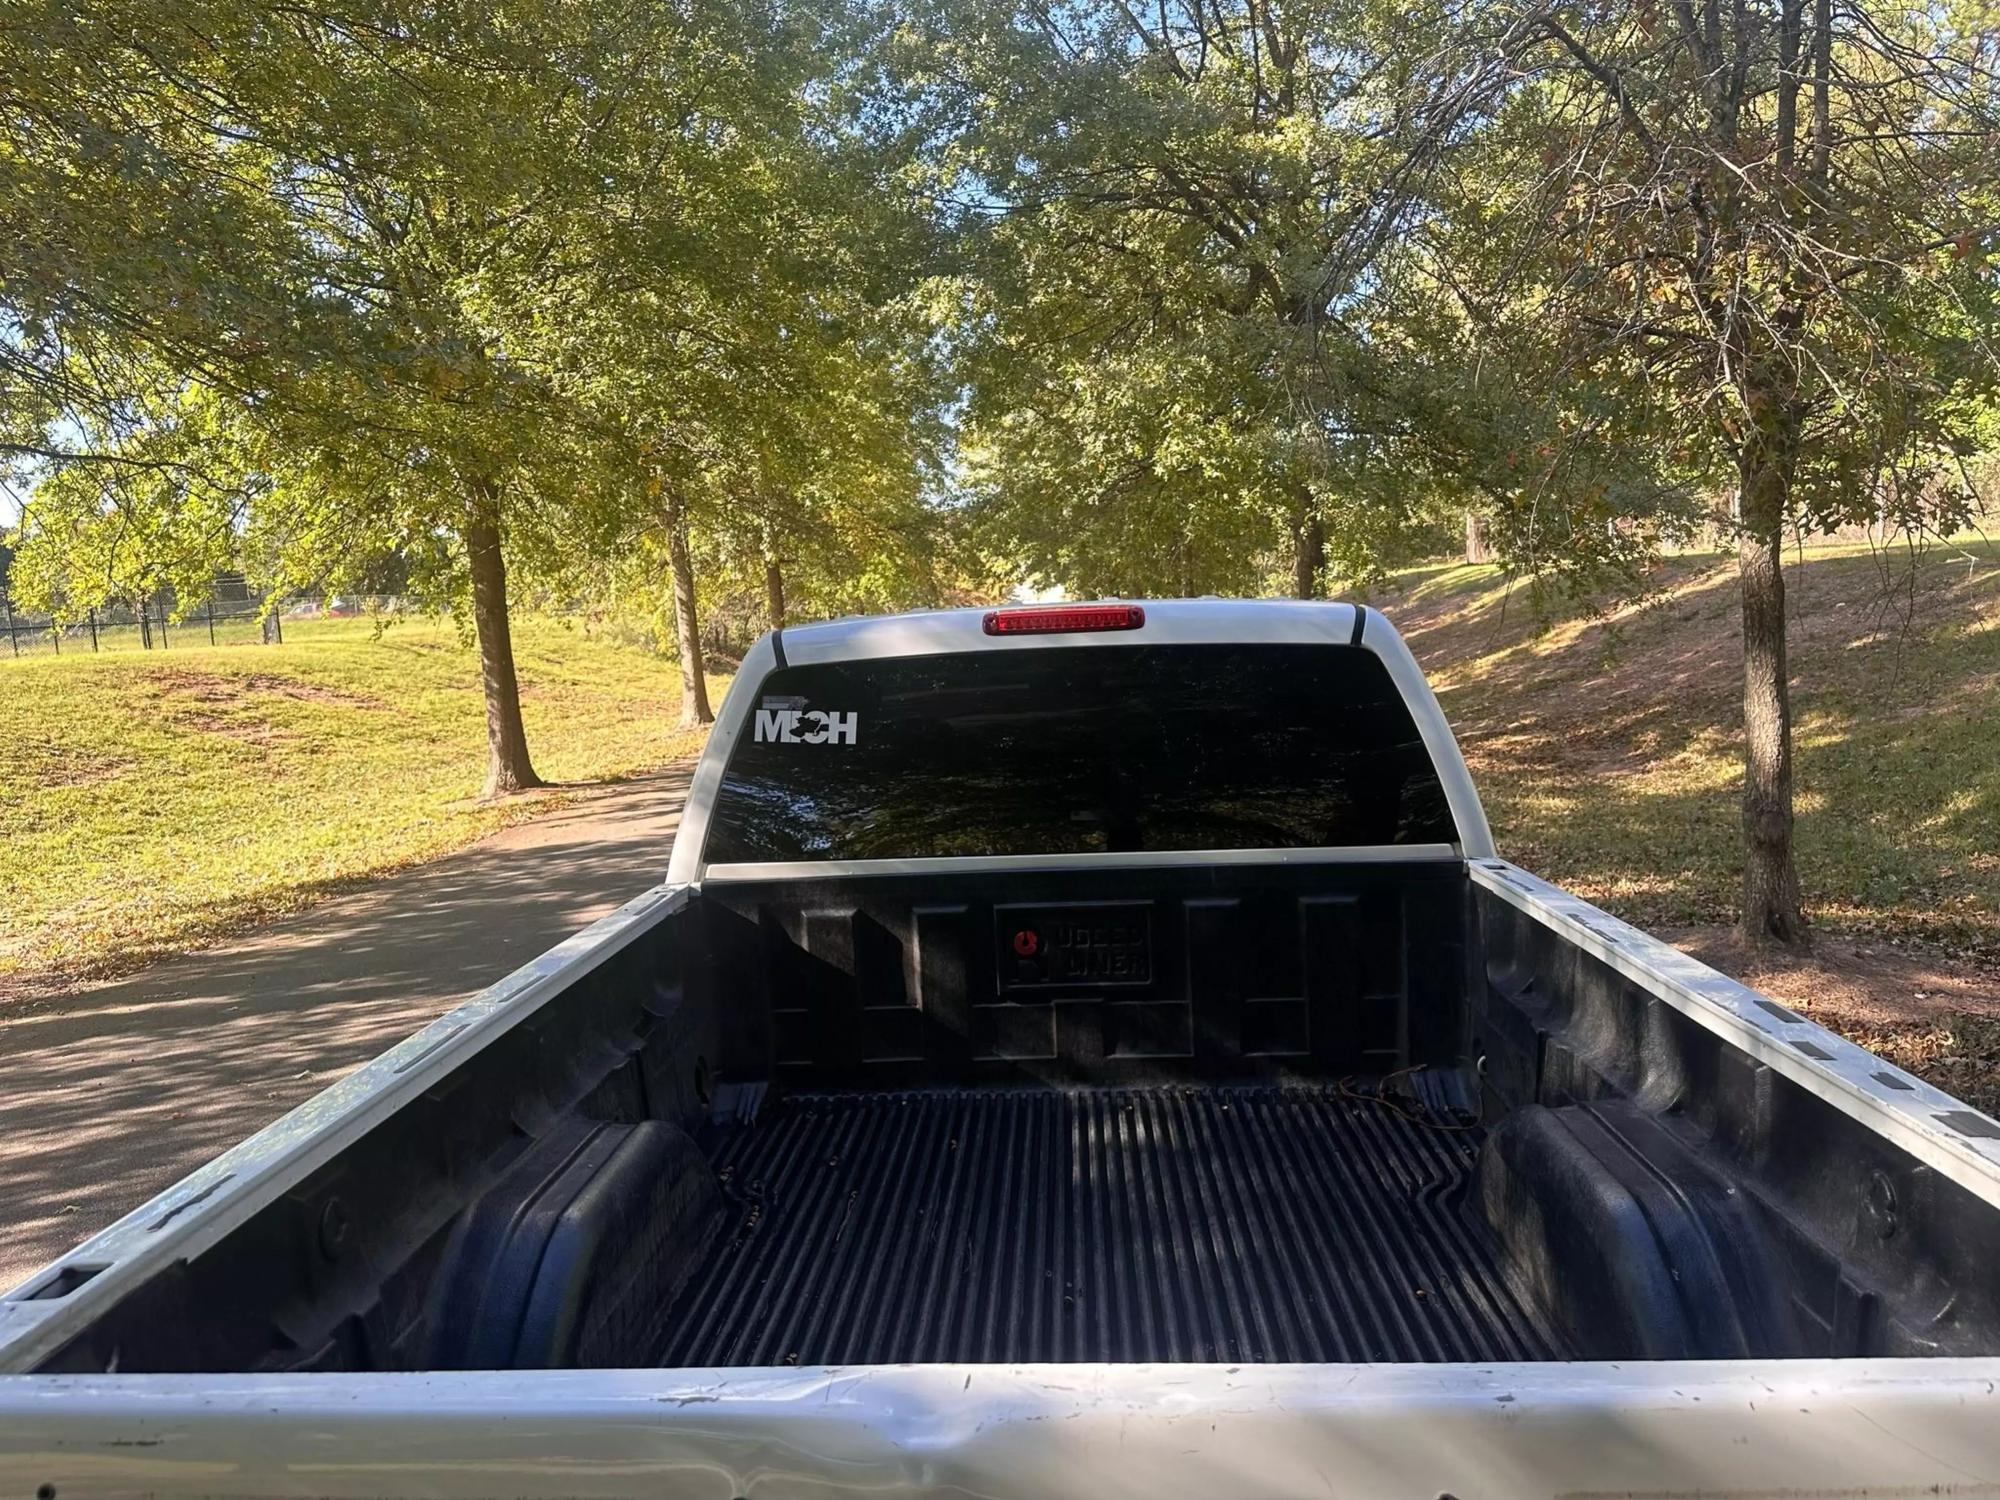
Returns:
(232, 617)
(142, 625)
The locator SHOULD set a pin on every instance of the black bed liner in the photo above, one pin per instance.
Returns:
(1173, 1224)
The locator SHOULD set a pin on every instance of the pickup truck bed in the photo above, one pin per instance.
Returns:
(1322, 1223)
(1334, 1111)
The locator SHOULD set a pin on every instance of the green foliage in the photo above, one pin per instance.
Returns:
(912, 298)
(1191, 335)
(745, 347)
(166, 515)
(1718, 247)
(304, 287)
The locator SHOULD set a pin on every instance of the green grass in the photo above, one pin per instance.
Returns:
(1608, 747)
(151, 801)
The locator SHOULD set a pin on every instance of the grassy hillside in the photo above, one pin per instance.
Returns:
(150, 801)
(1608, 750)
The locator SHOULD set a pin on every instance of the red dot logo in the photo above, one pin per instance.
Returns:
(1026, 942)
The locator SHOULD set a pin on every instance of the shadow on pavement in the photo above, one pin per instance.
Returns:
(113, 1092)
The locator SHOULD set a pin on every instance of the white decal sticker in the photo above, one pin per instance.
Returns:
(791, 726)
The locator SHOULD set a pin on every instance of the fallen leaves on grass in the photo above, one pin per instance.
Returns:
(1959, 1052)
(1607, 745)
(1932, 1015)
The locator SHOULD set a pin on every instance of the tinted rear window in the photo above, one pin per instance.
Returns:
(1074, 750)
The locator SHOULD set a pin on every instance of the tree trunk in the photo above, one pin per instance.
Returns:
(1308, 558)
(1478, 546)
(508, 768)
(1822, 130)
(774, 591)
(1791, 19)
(1772, 909)
(687, 628)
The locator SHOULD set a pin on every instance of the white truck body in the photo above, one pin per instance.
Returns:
(1664, 1427)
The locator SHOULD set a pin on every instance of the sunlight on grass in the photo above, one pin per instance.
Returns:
(1449, 580)
(150, 801)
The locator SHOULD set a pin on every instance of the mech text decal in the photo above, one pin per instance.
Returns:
(794, 726)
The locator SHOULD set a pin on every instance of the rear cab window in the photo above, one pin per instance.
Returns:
(1074, 750)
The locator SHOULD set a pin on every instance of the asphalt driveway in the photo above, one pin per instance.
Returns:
(112, 1092)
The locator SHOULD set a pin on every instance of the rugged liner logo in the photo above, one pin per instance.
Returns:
(799, 726)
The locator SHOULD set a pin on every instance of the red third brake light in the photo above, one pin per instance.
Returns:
(1057, 619)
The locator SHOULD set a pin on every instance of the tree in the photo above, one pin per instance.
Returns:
(376, 196)
(137, 245)
(1768, 224)
(156, 502)
(743, 344)
(1174, 214)
(434, 170)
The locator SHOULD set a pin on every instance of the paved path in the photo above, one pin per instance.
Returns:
(111, 1093)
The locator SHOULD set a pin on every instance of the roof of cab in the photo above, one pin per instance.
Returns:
(1168, 622)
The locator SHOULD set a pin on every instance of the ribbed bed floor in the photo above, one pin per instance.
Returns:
(1176, 1224)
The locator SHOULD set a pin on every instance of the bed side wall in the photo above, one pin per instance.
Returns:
(347, 1269)
(1837, 1241)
